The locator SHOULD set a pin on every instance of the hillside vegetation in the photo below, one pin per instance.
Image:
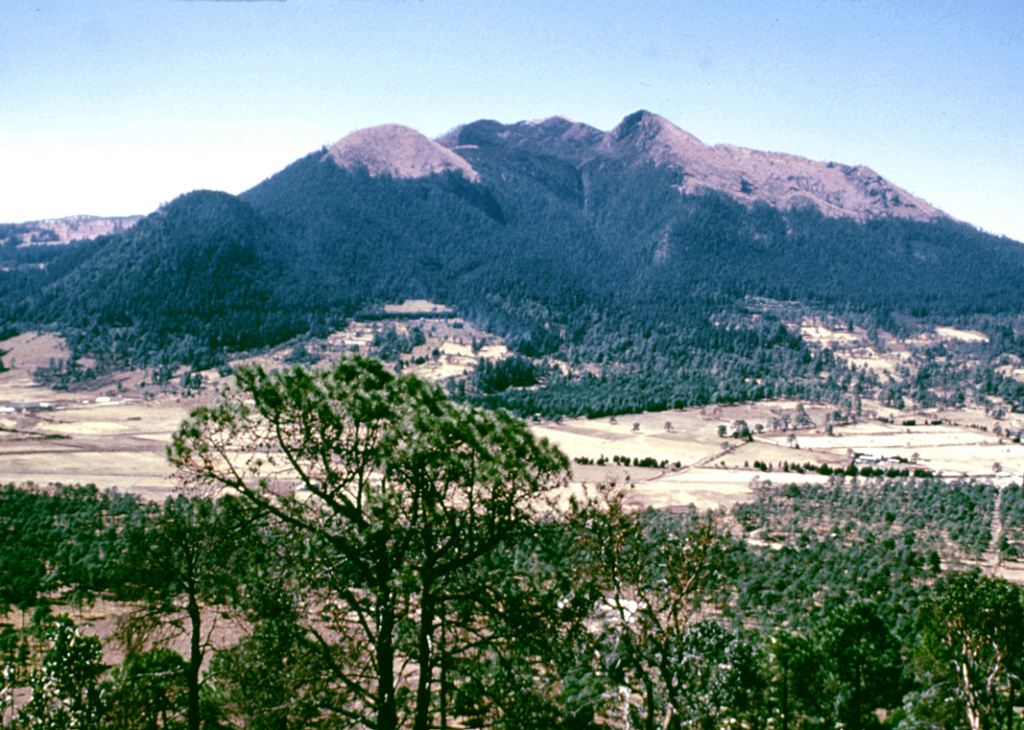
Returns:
(388, 558)
(589, 247)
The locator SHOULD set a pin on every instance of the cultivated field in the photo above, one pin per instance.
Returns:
(715, 471)
(117, 436)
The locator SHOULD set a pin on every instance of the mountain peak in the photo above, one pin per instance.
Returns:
(784, 181)
(655, 138)
(558, 120)
(781, 180)
(642, 122)
(397, 151)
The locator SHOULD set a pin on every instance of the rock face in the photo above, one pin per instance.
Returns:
(74, 228)
(397, 151)
(781, 180)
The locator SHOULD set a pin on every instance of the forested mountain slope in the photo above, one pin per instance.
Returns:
(636, 246)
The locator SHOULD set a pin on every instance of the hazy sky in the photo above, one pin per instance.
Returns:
(114, 106)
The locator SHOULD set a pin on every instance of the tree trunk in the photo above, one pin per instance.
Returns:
(667, 671)
(784, 700)
(444, 677)
(387, 708)
(652, 707)
(426, 633)
(1008, 712)
(973, 706)
(194, 662)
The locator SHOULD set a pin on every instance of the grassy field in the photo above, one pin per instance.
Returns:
(118, 436)
(121, 441)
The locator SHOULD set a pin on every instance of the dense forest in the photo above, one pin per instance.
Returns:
(414, 534)
(599, 261)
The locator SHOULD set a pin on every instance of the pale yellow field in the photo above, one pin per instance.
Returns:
(118, 436)
(707, 489)
(718, 471)
(123, 443)
(129, 455)
(85, 437)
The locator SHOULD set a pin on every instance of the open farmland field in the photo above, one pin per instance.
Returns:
(708, 470)
(120, 441)
(103, 437)
(113, 443)
(118, 436)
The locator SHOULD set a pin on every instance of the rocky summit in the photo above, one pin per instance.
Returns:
(783, 181)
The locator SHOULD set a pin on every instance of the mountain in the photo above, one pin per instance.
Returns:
(749, 176)
(635, 249)
(195, 267)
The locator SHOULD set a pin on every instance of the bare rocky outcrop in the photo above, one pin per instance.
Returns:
(74, 228)
(783, 181)
(398, 151)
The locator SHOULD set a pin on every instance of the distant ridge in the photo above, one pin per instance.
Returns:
(637, 250)
(784, 181)
(73, 228)
(781, 180)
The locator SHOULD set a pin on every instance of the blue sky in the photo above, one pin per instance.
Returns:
(114, 106)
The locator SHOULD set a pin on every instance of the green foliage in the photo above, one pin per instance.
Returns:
(60, 539)
(595, 616)
(187, 559)
(926, 512)
(794, 672)
(278, 678)
(1012, 517)
(717, 679)
(301, 356)
(971, 644)
(512, 372)
(399, 492)
(65, 689)
(396, 562)
(391, 345)
(864, 665)
(650, 366)
(513, 639)
(147, 692)
(649, 575)
(27, 530)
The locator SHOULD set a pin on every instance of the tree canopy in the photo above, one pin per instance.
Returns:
(399, 492)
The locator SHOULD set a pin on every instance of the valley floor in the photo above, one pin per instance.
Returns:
(119, 440)
(117, 437)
